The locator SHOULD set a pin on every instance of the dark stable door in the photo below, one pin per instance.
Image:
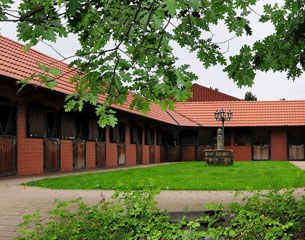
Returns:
(163, 154)
(199, 153)
(173, 154)
(52, 155)
(8, 163)
(79, 155)
(151, 153)
(139, 156)
(101, 154)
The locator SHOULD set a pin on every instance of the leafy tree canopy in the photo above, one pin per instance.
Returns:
(127, 45)
(249, 96)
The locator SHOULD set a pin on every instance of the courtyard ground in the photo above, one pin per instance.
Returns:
(17, 200)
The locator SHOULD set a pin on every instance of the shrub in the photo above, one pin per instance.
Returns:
(271, 215)
(133, 215)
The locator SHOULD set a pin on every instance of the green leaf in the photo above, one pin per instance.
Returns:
(27, 47)
(41, 66)
(196, 4)
(171, 6)
(55, 71)
(112, 120)
(72, 6)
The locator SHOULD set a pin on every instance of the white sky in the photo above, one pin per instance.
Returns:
(267, 86)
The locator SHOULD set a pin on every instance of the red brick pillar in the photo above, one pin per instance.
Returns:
(66, 155)
(130, 148)
(278, 144)
(112, 151)
(90, 154)
(30, 150)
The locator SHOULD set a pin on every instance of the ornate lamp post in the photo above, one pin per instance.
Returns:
(223, 116)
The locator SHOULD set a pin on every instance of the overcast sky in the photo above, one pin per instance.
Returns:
(267, 86)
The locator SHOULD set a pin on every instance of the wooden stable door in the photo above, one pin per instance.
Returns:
(52, 155)
(121, 154)
(163, 157)
(296, 152)
(8, 163)
(200, 153)
(173, 154)
(79, 154)
(151, 153)
(139, 153)
(100, 154)
(261, 152)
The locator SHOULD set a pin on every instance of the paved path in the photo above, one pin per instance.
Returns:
(17, 200)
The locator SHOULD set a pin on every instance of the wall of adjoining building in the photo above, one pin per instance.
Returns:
(169, 143)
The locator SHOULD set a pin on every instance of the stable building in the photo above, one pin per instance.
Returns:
(37, 135)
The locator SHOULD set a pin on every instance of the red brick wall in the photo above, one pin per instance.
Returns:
(130, 154)
(111, 152)
(241, 153)
(187, 153)
(90, 154)
(30, 150)
(278, 144)
(201, 93)
(66, 155)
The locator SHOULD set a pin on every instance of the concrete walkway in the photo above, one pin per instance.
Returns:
(17, 200)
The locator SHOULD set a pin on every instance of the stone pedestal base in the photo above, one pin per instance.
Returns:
(218, 157)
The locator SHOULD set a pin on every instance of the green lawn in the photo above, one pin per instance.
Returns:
(250, 175)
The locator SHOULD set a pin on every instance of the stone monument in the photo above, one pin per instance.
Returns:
(218, 156)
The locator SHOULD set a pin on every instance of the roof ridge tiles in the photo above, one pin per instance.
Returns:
(172, 117)
(184, 116)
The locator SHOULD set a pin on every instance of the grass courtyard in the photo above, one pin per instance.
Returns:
(187, 176)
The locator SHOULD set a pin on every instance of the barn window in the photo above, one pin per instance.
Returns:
(81, 124)
(135, 134)
(95, 132)
(117, 133)
(207, 136)
(159, 137)
(243, 137)
(36, 121)
(171, 139)
(102, 134)
(188, 137)
(7, 117)
(93, 129)
(140, 135)
(68, 127)
(296, 136)
(227, 137)
(114, 134)
(149, 136)
(261, 136)
(53, 123)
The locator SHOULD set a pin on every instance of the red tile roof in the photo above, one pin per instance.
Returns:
(246, 113)
(16, 64)
(182, 120)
